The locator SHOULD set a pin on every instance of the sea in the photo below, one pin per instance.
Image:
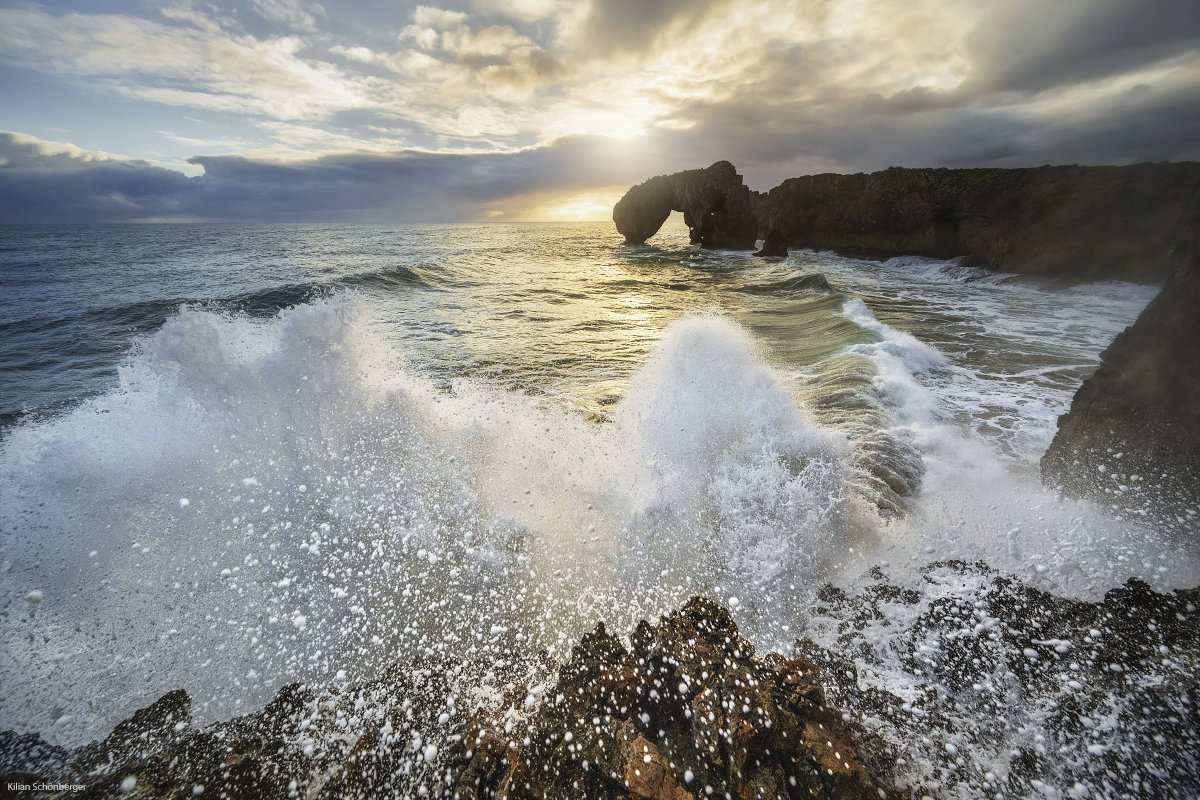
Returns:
(237, 456)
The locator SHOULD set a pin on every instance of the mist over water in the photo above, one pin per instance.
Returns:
(254, 455)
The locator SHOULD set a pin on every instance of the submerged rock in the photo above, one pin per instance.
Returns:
(1132, 436)
(714, 201)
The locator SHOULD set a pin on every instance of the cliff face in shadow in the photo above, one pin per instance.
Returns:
(1132, 436)
(714, 201)
(1070, 222)
(1078, 223)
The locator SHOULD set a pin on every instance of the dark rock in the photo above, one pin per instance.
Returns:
(966, 684)
(714, 201)
(1132, 436)
(1099, 697)
(685, 712)
(687, 706)
(1071, 222)
(774, 245)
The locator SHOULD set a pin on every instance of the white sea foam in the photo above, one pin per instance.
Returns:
(974, 505)
(342, 511)
(938, 270)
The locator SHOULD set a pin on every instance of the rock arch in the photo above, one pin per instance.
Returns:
(715, 204)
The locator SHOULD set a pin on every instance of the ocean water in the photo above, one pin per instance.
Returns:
(233, 457)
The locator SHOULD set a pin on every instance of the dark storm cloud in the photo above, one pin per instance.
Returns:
(1033, 46)
(1104, 82)
(617, 25)
(36, 186)
(776, 140)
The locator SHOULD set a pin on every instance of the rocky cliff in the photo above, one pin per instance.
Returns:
(714, 201)
(1132, 436)
(1078, 223)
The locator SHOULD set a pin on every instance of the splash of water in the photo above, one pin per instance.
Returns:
(263, 502)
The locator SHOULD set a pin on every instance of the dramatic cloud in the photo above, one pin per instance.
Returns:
(47, 181)
(346, 113)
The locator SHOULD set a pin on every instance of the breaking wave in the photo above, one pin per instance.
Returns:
(266, 501)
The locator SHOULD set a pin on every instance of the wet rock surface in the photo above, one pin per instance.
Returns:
(964, 684)
(715, 204)
(1132, 436)
(972, 684)
(685, 710)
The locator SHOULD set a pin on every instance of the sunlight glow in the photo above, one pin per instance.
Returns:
(569, 206)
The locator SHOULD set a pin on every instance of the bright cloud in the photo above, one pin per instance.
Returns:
(777, 86)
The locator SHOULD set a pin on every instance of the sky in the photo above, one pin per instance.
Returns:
(516, 110)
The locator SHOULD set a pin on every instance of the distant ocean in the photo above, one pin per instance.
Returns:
(234, 456)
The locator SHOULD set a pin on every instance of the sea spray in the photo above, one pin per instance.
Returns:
(973, 504)
(266, 501)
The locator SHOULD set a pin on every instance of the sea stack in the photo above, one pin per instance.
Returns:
(715, 204)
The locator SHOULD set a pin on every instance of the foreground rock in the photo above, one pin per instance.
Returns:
(958, 683)
(966, 684)
(1132, 436)
(714, 201)
(687, 710)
